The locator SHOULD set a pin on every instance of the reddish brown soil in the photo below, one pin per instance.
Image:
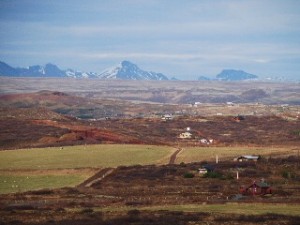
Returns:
(29, 120)
(225, 131)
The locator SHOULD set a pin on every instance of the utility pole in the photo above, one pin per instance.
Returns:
(298, 159)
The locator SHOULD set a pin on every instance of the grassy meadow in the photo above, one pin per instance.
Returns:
(194, 154)
(38, 168)
(17, 183)
(82, 156)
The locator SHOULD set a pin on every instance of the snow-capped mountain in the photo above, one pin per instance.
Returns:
(123, 71)
(129, 71)
(78, 74)
(49, 70)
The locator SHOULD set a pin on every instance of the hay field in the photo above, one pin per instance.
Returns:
(38, 168)
(94, 156)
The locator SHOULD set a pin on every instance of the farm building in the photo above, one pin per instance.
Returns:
(206, 169)
(185, 135)
(167, 117)
(206, 141)
(247, 158)
(202, 170)
(261, 188)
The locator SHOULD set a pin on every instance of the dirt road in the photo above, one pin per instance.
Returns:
(97, 177)
(173, 156)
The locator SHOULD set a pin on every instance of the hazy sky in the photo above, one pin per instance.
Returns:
(181, 38)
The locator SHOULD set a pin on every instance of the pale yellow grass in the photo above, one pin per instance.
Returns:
(194, 154)
(236, 208)
(229, 208)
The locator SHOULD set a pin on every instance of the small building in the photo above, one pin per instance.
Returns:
(202, 170)
(167, 117)
(185, 135)
(207, 168)
(239, 118)
(245, 158)
(206, 141)
(261, 188)
(196, 104)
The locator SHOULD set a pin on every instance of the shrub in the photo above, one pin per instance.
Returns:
(182, 164)
(133, 212)
(42, 192)
(296, 132)
(213, 175)
(228, 176)
(287, 174)
(188, 175)
(87, 210)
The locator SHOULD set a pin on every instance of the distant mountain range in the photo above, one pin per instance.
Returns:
(231, 75)
(235, 75)
(123, 71)
(240, 75)
(129, 71)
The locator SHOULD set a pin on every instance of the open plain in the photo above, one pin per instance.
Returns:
(120, 152)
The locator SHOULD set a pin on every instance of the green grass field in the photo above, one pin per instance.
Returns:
(18, 183)
(48, 167)
(31, 169)
(84, 156)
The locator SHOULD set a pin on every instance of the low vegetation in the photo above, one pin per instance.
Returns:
(80, 158)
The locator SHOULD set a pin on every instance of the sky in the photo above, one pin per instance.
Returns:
(179, 38)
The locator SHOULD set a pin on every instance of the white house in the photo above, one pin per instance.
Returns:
(167, 117)
(185, 135)
(202, 171)
(206, 141)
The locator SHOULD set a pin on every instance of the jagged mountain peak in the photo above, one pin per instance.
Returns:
(126, 63)
(127, 70)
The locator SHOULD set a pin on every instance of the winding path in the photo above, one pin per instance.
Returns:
(97, 177)
(107, 171)
(174, 155)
